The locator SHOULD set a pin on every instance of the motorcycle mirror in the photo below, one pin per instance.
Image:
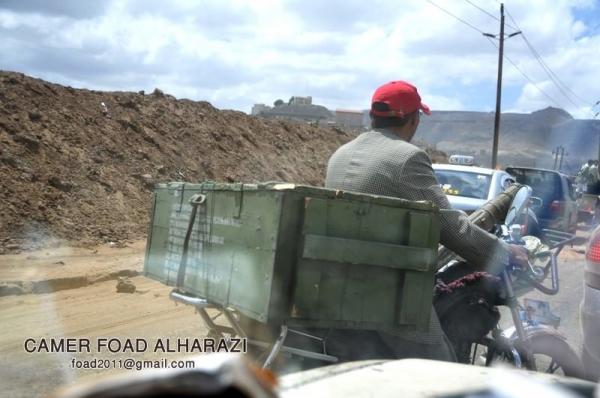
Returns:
(535, 202)
(518, 205)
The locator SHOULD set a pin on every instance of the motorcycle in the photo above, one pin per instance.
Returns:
(522, 345)
(467, 302)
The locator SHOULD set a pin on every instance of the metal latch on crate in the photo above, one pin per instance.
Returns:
(196, 200)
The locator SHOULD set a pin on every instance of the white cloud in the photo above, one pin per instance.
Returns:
(438, 102)
(237, 53)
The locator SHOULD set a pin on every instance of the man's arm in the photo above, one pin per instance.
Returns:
(417, 182)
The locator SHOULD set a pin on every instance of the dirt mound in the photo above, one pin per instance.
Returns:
(79, 165)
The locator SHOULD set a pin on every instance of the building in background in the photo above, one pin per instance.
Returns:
(299, 109)
(257, 109)
(300, 101)
(302, 109)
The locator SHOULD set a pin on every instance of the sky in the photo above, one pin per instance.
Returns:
(237, 53)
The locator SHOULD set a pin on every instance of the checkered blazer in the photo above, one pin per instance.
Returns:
(381, 163)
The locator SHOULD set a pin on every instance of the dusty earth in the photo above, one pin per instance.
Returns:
(79, 165)
(86, 304)
(89, 310)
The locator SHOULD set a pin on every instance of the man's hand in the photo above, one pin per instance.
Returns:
(518, 256)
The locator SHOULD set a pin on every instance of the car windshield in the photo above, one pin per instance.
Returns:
(538, 180)
(545, 184)
(464, 183)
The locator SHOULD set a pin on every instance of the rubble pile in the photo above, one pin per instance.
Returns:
(79, 165)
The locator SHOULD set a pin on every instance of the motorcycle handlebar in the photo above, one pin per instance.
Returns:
(557, 240)
(554, 278)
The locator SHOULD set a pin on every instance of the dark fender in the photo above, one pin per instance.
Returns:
(533, 331)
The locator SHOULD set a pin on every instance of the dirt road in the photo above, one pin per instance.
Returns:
(93, 311)
(66, 292)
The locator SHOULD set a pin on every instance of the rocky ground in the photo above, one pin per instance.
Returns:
(79, 165)
(78, 295)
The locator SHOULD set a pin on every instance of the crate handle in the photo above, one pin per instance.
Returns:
(198, 199)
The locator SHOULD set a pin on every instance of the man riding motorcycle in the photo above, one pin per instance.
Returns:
(383, 162)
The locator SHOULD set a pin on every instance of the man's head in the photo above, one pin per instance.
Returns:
(590, 162)
(397, 106)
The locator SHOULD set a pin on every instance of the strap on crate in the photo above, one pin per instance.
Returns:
(195, 201)
(239, 201)
(181, 200)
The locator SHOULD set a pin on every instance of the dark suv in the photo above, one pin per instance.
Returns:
(559, 201)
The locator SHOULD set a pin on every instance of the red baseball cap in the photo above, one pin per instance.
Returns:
(401, 97)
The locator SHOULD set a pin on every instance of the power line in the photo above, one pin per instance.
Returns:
(488, 13)
(527, 77)
(557, 82)
(536, 55)
(551, 75)
(454, 16)
(484, 11)
(531, 81)
(541, 60)
(555, 79)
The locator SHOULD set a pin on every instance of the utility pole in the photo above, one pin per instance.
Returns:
(498, 91)
(555, 153)
(562, 155)
(559, 153)
(499, 85)
(598, 130)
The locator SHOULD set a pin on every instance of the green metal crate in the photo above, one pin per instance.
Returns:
(304, 256)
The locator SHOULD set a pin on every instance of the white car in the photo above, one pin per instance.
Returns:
(469, 187)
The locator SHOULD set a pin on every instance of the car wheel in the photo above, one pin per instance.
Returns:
(591, 365)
